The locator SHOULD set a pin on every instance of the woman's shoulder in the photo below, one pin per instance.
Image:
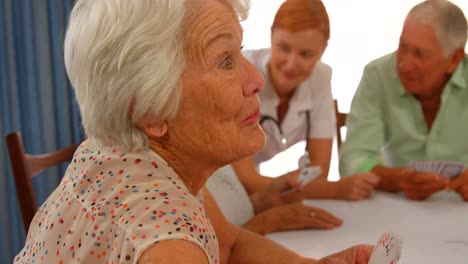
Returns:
(322, 69)
(113, 167)
(320, 78)
(141, 193)
(127, 200)
(138, 179)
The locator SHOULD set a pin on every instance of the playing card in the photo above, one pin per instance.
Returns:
(436, 166)
(444, 168)
(450, 168)
(307, 174)
(418, 165)
(304, 161)
(387, 250)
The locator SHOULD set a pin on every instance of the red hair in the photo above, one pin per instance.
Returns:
(299, 15)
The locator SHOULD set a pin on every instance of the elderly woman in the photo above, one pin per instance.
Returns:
(297, 102)
(166, 99)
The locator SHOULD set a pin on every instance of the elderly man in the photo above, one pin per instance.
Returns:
(412, 105)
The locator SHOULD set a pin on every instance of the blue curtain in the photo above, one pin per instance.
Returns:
(35, 98)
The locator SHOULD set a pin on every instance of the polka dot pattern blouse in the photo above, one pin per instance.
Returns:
(111, 206)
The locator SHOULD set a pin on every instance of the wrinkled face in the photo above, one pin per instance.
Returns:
(421, 66)
(293, 57)
(218, 119)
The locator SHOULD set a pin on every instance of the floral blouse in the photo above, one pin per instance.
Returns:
(111, 206)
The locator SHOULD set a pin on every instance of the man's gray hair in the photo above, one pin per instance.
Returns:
(447, 20)
(125, 59)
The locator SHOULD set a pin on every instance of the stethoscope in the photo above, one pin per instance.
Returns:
(304, 160)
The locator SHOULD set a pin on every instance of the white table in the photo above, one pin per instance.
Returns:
(433, 231)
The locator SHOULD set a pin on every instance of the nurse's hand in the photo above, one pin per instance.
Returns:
(282, 190)
(357, 187)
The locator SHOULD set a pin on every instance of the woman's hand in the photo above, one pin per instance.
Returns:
(357, 187)
(282, 190)
(292, 217)
(359, 254)
(460, 185)
(300, 216)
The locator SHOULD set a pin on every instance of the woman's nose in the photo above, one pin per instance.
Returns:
(255, 81)
(291, 61)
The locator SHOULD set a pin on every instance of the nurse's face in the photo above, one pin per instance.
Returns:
(293, 57)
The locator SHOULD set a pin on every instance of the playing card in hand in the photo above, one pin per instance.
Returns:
(444, 168)
(450, 169)
(307, 174)
(387, 250)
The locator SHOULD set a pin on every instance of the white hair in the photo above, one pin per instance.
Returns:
(447, 20)
(125, 59)
(241, 7)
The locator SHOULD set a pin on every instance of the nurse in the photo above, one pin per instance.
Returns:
(296, 102)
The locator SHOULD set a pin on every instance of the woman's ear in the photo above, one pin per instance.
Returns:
(155, 129)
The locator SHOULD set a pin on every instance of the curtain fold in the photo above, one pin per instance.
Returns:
(35, 98)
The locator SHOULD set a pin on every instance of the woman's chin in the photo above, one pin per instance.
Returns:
(256, 143)
(249, 144)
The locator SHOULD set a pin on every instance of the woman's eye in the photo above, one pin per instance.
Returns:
(227, 63)
(284, 47)
(306, 54)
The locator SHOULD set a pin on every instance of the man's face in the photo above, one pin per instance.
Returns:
(421, 66)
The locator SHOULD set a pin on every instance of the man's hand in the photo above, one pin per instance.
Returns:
(357, 187)
(420, 185)
(460, 185)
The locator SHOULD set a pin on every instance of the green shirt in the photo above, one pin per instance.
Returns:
(386, 124)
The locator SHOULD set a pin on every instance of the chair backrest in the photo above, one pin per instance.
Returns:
(25, 166)
(340, 122)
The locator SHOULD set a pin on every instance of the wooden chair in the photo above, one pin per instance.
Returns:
(340, 122)
(25, 166)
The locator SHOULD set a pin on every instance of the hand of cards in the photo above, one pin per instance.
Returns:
(387, 250)
(307, 174)
(448, 169)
